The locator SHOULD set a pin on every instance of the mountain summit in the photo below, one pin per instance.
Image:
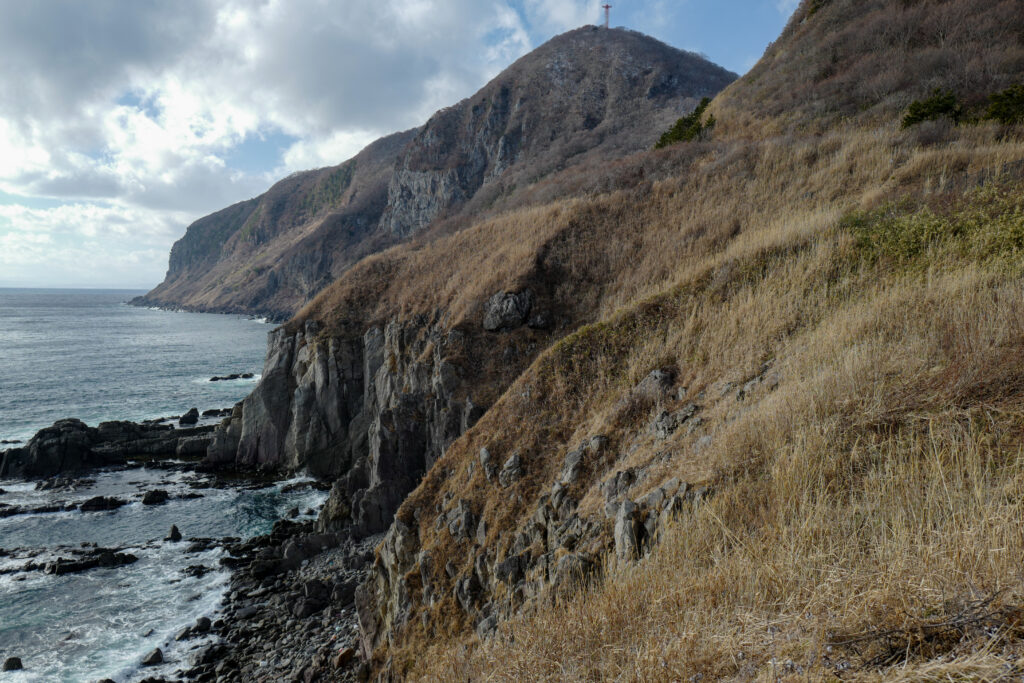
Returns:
(590, 94)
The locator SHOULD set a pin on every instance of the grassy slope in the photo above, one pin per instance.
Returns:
(869, 504)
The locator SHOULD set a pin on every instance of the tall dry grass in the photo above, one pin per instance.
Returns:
(864, 507)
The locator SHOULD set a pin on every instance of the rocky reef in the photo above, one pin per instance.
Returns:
(71, 446)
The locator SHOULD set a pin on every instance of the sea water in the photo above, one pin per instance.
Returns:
(89, 355)
(101, 623)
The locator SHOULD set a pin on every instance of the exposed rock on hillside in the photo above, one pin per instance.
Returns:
(584, 96)
(270, 254)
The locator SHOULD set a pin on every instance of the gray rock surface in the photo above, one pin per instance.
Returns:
(334, 407)
(507, 310)
(70, 446)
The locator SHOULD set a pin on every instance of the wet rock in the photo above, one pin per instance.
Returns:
(174, 535)
(507, 310)
(64, 447)
(153, 658)
(217, 412)
(100, 558)
(155, 497)
(12, 664)
(63, 484)
(100, 503)
(189, 418)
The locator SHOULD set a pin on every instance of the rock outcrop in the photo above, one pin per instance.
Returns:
(71, 446)
(371, 413)
(586, 96)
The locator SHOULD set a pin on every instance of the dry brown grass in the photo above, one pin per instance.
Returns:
(878, 491)
(865, 505)
(883, 362)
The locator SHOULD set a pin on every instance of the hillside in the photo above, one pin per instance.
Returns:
(586, 96)
(747, 407)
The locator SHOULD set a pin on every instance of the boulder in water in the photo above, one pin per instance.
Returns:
(100, 503)
(173, 535)
(155, 497)
(189, 418)
(13, 664)
(153, 658)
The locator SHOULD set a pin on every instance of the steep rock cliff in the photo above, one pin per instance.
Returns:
(372, 413)
(586, 96)
(271, 254)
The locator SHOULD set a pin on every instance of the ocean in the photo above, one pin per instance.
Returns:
(87, 354)
(90, 355)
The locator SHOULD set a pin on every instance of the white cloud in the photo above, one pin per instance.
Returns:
(131, 112)
(86, 244)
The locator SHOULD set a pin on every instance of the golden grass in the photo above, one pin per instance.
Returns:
(878, 490)
(874, 490)
(871, 499)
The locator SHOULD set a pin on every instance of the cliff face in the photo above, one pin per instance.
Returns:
(588, 94)
(271, 254)
(585, 96)
(373, 413)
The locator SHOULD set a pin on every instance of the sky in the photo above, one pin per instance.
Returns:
(122, 121)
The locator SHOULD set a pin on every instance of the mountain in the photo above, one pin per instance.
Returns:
(585, 96)
(745, 407)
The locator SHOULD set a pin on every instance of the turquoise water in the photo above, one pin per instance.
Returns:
(87, 354)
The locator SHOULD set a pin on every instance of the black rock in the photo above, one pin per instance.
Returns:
(189, 418)
(155, 497)
(173, 535)
(153, 658)
(100, 503)
(13, 664)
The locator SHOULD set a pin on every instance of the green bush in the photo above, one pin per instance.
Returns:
(1007, 107)
(942, 104)
(689, 127)
(987, 224)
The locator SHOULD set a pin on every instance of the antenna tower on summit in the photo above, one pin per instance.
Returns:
(607, 15)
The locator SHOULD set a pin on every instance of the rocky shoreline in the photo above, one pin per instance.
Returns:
(289, 613)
